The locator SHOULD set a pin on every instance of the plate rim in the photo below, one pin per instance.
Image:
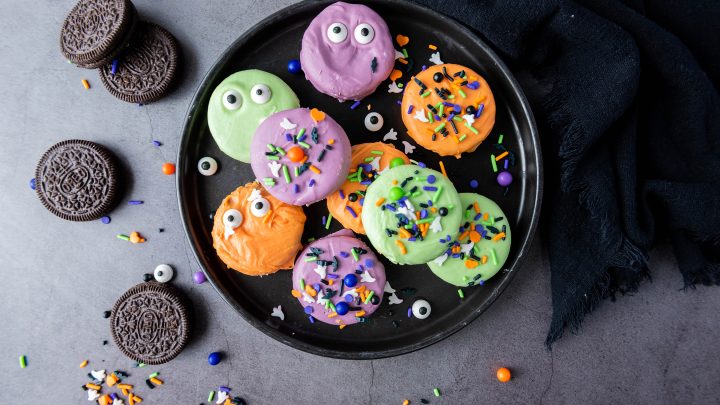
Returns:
(278, 335)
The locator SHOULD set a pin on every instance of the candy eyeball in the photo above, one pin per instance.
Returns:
(259, 207)
(163, 273)
(207, 166)
(374, 121)
(337, 32)
(421, 309)
(231, 100)
(260, 94)
(364, 33)
(232, 218)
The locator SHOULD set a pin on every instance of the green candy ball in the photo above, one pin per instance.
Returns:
(396, 162)
(396, 193)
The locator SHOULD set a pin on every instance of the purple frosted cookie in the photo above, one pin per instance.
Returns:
(300, 155)
(347, 51)
(338, 280)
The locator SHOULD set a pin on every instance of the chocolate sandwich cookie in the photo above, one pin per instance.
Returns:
(77, 180)
(149, 323)
(96, 30)
(145, 72)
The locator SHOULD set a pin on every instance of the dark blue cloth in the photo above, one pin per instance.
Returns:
(626, 97)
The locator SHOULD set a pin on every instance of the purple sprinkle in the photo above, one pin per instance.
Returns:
(390, 207)
(410, 109)
(431, 179)
(157, 143)
(355, 105)
(477, 217)
(409, 312)
(135, 202)
(448, 237)
(369, 263)
(113, 70)
(479, 110)
(457, 109)
(456, 255)
(429, 188)
(451, 116)
(332, 276)
(324, 218)
(289, 137)
(366, 182)
(351, 211)
(344, 254)
(474, 85)
(223, 388)
(362, 201)
(437, 117)
(342, 195)
(113, 396)
(297, 188)
(474, 183)
(448, 104)
(317, 287)
(421, 164)
(311, 183)
(105, 220)
(399, 102)
(312, 320)
(358, 272)
(506, 163)
(481, 282)
(309, 309)
(32, 183)
(412, 239)
(302, 138)
(348, 298)
(367, 167)
(429, 203)
(423, 67)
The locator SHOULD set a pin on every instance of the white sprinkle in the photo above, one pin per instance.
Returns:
(98, 375)
(436, 226)
(307, 298)
(375, 163)
(394, 299)
(409, 148)
(222, 396)
(92, 395)
(352, 292)
(321, 270)
(118, 401)
(393, 88)
(398, 54)
(278, 312)
(435, 58)
(441, 259)
(466, 248)
(469, 118)
(254, 195)
(420, 115)
(391, 135)
(388, 288)
(366, 277)
(275, 168)
(286, 124)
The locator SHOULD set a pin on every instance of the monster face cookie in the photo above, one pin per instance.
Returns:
(256, 234)
(300, 155)
(409, 212)
(369, 160)
(479, 251)
(338, 280)
(448, 109)
(240, 103)
(347, 51)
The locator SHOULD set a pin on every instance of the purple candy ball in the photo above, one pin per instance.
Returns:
(199, 277)
(504, 179)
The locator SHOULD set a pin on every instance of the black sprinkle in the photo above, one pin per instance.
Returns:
(321, 155)
(161, 230)
(424, 401)
(492, 229)
(452, 122)
(447, 75)
(105, 342)
(506, 191)
(314, 135)
(107, 314)
(147, 277)
(322, 280)
(328, 147)
(149, 384)
(396, 324)
(477, 276)
(409, 291)
(410, 65)
(373, 65)
(335, 264)
(498, 219)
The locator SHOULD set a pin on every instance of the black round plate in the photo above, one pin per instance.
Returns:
(269, 46)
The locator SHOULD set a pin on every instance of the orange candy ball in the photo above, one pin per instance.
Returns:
(168, 168)
(503, 374)
(295, 154)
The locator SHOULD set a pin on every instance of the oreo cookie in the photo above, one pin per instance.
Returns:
(147, 69)
(77, 180)
(150, 324)
(95, 31)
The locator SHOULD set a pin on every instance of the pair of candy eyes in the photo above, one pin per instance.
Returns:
(258, 207)
(259, 94)
(337, 32)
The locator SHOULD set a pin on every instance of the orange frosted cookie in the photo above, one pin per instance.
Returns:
(368, 160)
(448, 109)
(255, 233)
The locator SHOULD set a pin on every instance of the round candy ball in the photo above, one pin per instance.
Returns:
(504, 178)
(421, 309)
(396, 193)
(214, 358)
(398, 161)
(342, 308)
(168, 168)
(294, 66)
(163, 273)
(350, 280)
(474, 183)
(199, 277)
(207, 166)
(431, 179)
(503, 374)
(32, 183)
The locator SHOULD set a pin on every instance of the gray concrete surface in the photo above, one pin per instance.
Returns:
(57, 278)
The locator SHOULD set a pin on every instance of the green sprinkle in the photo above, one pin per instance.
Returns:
(376, 152)
(141, 365)
(408, 226)
(304, 145)
(310, 240)
(269, 180)
(297, 171)
(369, 159)
(211, 396)
(451, 206)
(355, 254)
(404, 51)
(421, 178)
(309, 259)
(155, 374)
(460, 293)
(493, 256)
(427, 93)
(271, 157)
(302, 284)
(301, 133)
(400, 85)
(468, 214)
(286, 173)
(462, 93)
(329, 219)
(450, 97)
(436, 392)
(369, 296)
(424, 220)
(415, 194)
(457, 118)
(351, 176)
(331, 305)
(23, 361)
(465, 278)
(439, 127)
(440, 111)
(500, 138)
(123, 237)
(271, 147)
(280, 150)
(476, 249)
(494, 164)
(475, 131)
(462, 138)
(437, 194)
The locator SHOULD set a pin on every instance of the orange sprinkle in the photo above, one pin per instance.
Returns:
(433, 47)
(267, 217)
(332, 315)
(295, 293)
(83, 364)
(424, 229)
(330, 282)
(483, 259)
(304, 159)
(433, 210)
(485, 217)
(112, 379)
(395, 74)
(406, 402)
(156, 381)
(498, 236)
(93, 386)
(500, 156)
(315, 169)
(331, 141)
(403, 233)
(394, 182)
(463, 235)
(125, 387)
(456, 249)
(403, 61)
(360, 289)
(310, 290)
(104, 400)
(369, 106)
(471, 264)
(353, 170)
(379, 202)
(475, 236)
(136, 398)
(227, 401)
(359, 313)
(403, 250)
(131, 401)
(417, 214)
(342, 326)
(476, 207)
(442, 169)
(86, 84)
(125, 392)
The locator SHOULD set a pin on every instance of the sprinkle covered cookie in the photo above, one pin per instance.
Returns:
(448, 109)
(410, 212)
(300, 155)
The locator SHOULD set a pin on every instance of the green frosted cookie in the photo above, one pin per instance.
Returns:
(240, 103)
(479, 251)
(407, 210)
